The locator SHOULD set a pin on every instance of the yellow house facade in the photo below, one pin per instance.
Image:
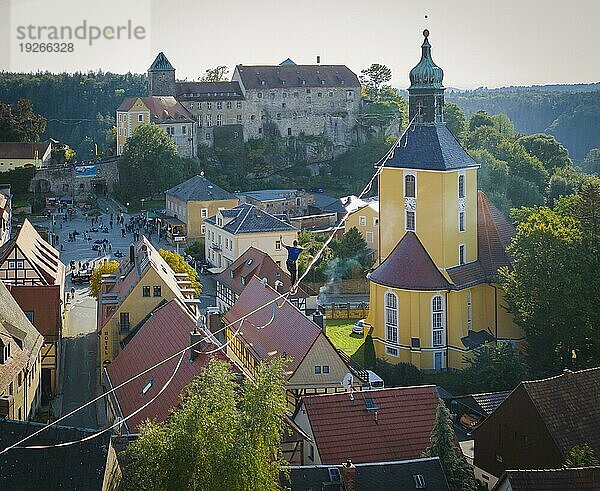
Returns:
(163, 111)
(280, 329)
(434, 296)
(196, 199)
(14, 155)
(20, 361)
(364, 216)
(231, 232)
(129, 295)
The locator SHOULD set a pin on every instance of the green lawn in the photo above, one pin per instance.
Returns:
(340, 333)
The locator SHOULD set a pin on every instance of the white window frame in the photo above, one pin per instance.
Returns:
(375, 221)
(391, 319)
(369, 237)
(362, 221)
(406, 227)
(219, 105)
(462, 254)
(140, 118)
(462, 224)
(461, 182)
(406, 176)
(219, 120)
(203, 229)
(438, 321)
(277, 245)
(204, 213)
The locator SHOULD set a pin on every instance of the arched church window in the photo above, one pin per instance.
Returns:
(437, 320)
(410, 186)
(391, 318)
(461, 186)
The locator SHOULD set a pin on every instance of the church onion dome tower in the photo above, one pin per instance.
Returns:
(426, 75)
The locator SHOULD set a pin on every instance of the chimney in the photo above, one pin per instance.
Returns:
(318, 60)
(349, 475)
(319, 319)
(196, 343)
(131, 254)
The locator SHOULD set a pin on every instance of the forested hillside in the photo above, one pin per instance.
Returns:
(572, 117)
(79, 108)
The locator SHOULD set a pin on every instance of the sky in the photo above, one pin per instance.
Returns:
(476, 42)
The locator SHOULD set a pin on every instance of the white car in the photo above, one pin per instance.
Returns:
(359, 327)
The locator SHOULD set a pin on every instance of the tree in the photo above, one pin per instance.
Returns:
(553, 291)
(150, 163)
(19, 123)
(480, 118)
(548, 150)
(221, 437)
(581, 456)
(177, 263)
(196, 250)
(591, 163)
(369, 353)
(107, 267)
(217, 74)
(494, 368)
(442, 444)
(374, 77)
(455, 119)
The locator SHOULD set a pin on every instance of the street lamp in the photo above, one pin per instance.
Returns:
(142, 200)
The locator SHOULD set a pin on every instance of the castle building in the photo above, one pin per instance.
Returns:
(287, 99)
(434, 295)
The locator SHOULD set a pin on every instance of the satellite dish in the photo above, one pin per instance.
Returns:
(347, 381)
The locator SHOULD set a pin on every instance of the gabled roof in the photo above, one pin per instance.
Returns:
(42, 256)
(208, 91)
(430, 147)
(485, 403)
(23, 150)
(380, 476)
(580, 479)
(327, 203)
(409, 267)
(569, 406)
(129, 274)
(494, 233)
(400, 428)
(163, 109)
(248, 219)
(256, 263)
(161, 64)
(198, 188)
(80, 466)
(287, 330)
(289, 76)
(167, 331)
(15, 324)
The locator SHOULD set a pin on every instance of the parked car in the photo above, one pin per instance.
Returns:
(359, 327)
(469, 421)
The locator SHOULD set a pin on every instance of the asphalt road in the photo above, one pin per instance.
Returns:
(80, 375)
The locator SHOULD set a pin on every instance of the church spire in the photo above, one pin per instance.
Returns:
(426, 92)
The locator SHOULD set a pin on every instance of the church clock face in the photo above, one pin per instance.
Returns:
(410, 204)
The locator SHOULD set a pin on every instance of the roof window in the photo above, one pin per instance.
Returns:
(147, 387)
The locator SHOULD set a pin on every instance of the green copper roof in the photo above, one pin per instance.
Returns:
(161, 64)
(426, 75)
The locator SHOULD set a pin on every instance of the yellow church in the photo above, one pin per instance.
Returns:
(434, 296)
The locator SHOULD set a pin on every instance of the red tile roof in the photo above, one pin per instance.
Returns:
(400, 429)
(287, 329)
(410, 267)
(163, 109)
(164, 333)
(569, 406)
(25, 150)
(494, 233)
(580, 479)
(256, 263)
